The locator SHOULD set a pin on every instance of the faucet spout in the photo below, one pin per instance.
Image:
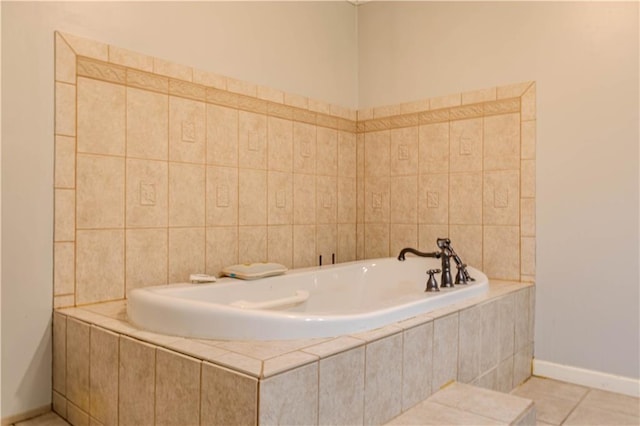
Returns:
(417, 253)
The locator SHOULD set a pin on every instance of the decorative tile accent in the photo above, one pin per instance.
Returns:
(500, 198)
(433, 200)
(147, 194)
(144, 80)
(99, 70)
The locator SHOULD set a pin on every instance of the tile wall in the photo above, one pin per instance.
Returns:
(107, 372)
(461, 166)
(162, 170)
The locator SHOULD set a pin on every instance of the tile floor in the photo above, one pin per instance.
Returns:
(557, 403)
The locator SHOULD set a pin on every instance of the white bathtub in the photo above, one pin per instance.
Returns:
(314, 302)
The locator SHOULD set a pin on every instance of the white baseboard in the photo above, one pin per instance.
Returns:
(590, 378)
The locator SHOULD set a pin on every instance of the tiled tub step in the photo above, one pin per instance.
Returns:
(460, 404)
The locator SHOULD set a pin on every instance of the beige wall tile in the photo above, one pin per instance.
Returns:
(222, 135)
(506, 329)
(64, 301)
(528, 217)
(521, 318)
(304, 148)
(296, 100)
(186, 130)
(252, 140)
(222, 196)
(64, 268)
(377, 199)
(445, 101)
(280, 198)
(280, 244)
(209, 79)
(522, 365)
(528, 256)
(346, 200)
(528, 178)
(365, 114)
(466, 146)
(470, 340)
(65, 215)
(78, 363)
(404, 151)
(130, 59)
(100, 192)
(304, 246)
(417, 362)
(76, 416)
(404, 199)
(512, 90)
(147, 124)
(270, 94)
(326, 236)
(433, 199)
(146, 255)
(528, 134)
(501, 198)
(147, 202)
(414, 106)
(170, 69)
(65, 162)
(59, 404)
(65, 61)
(383, 380)
(341, 388)
(186, 194)
(242, 87)
(377, 153)
(326, 199)
(490, 339)
(186, 253)
(101, 117)
(252, 244)
(428, 234)
(304, 199)
(360, 241)
(65, 113)
(290, 398)
(445, 350)
(386, 111)
(465, 199)
(59, 353)
(467, 242)
(376, 240)
(327, 151)
(252, 197)
(477, 96)
(501, 252)
(528, 103)
(221, 249)
(103, 375)
(280, 144)
(319, 106)
(401, 236)
(346, 250)
(488, 380)
(434, 148)
(177, 389)
(504, 381)
(346, 154)
(136, 374)
(85, 47)
(99, 266)
(502, 142)
(227, 397)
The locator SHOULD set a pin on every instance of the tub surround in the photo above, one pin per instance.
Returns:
(162, 170)
(486, 341)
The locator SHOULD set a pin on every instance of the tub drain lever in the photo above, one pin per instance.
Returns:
(432, 284)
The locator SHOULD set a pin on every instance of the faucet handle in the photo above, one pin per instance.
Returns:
(461, 277)
(432, 284)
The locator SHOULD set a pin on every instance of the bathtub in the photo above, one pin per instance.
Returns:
(324, 301)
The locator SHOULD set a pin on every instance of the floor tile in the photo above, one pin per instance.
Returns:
(48, 419)
(585, 415)
(610, 401)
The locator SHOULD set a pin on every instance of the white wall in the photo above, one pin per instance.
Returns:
(584, 58)
(304, 48)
